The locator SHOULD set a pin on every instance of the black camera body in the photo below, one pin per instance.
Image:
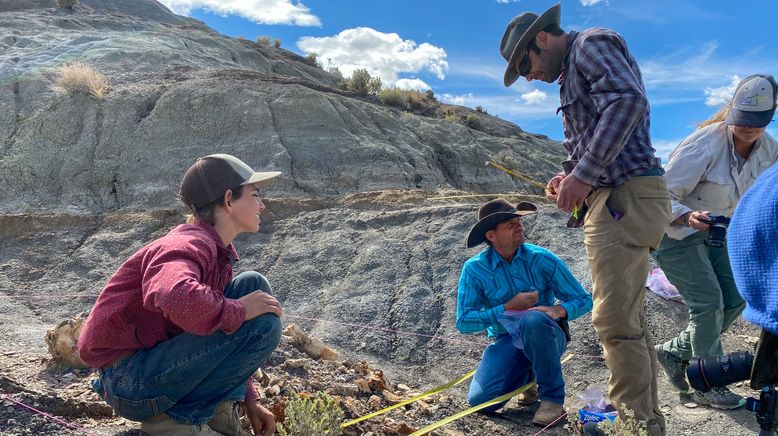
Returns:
(717, 236)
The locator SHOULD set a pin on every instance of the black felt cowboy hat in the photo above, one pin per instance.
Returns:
(494, 212)
(521, 30)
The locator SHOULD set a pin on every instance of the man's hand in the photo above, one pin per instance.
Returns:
(552, 187)
(571, 193)
(262, 420)
(259, 303)
(694, 220)
(555, 312)
(522, 301)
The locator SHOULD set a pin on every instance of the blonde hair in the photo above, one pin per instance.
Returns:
(718, 117)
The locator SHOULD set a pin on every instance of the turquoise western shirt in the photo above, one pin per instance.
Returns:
(488, 281)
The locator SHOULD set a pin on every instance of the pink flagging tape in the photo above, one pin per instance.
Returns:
(553, 423)
(48, 416)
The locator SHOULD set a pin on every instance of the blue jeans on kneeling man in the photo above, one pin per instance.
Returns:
(187, 376)
(505, 368)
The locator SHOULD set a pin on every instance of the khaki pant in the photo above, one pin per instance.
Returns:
(618, 251)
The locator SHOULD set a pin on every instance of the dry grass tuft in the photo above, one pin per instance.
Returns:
(80, 77)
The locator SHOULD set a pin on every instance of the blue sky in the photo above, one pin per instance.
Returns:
(692, 53)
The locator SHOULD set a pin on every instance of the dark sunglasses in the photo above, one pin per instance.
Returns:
(524, 64)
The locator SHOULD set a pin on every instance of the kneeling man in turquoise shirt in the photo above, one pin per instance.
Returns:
(530, 290)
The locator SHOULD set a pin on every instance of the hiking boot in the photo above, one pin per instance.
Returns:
(592, 429)
(674, 367)
(528, 397)
(548, 413)
(720, 398)
(163, 424)
(226, 420)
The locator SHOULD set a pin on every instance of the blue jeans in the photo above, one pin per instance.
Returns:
(187, 376)
(504, 367)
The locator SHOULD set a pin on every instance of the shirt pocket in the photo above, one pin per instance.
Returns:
(717, 191)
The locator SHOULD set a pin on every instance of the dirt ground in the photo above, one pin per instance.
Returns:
(83, 252)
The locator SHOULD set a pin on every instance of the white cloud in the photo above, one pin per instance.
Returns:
(506, 1)
(258, 11)
(385, 55)
(461, 100)
(416, 84)
(535, 96)
(590, 2)
(722, 95)
(663, 147)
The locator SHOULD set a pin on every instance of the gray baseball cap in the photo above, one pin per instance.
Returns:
(211, 176)
(754, 102)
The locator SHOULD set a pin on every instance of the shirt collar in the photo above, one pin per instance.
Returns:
(571, 36)
(494, 257)
(228, 253)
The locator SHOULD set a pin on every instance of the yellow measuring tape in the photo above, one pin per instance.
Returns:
(517, 174)
(411, 400)
(527, 179)
(497, 400)
(442, 388)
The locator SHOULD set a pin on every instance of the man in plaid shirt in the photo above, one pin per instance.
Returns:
(611, 171)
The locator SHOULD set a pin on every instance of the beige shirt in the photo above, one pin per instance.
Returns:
(702, 173)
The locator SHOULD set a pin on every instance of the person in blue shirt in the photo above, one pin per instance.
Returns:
(532, 287)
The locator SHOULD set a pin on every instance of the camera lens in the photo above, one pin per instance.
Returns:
(715, 371)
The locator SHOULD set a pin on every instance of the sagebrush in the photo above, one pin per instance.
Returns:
(362, 83)
(408, 100)
(79, 77)
(67, 4)
(311, 416)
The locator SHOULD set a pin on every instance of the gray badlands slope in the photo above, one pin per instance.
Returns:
(353, 232)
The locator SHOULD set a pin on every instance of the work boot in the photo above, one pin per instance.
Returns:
(163, 424)
(720, 398)
(226, 420)
(674, 367)
(528, 397)
(548, 413)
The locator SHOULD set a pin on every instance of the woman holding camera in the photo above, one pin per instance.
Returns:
(706, 175)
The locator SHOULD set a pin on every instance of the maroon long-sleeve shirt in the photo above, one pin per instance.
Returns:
(172, 285)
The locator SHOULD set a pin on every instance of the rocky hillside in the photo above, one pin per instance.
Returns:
(357, 242)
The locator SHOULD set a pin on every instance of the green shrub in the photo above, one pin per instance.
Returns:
(431, 95)
(396, 97)
(305, 416)
(450, 115)
(362, 83)
(67, 4)
(481, 109)
(312, 59)
(265, 40)
(277, 43)
(473, 121)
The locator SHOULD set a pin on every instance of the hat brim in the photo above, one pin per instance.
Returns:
(552, 16)
(260, 179)
(478, 233)
(736, 117)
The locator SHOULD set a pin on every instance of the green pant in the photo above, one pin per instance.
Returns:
(704, 278)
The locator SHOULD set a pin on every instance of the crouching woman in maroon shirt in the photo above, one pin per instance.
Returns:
(174, 337)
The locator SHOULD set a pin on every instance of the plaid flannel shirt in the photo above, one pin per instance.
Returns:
(606, 113)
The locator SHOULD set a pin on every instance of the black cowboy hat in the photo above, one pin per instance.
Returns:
(494, 212)
(521, 30)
